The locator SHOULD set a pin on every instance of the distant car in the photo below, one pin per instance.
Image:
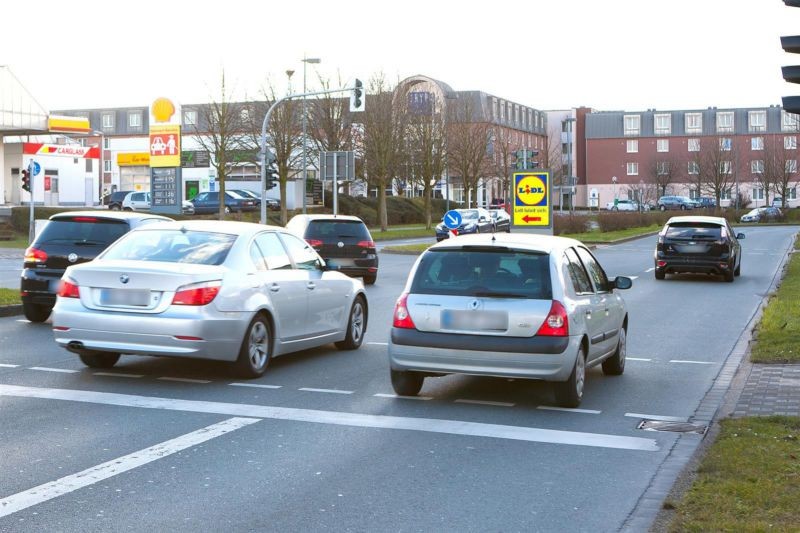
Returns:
(676, 202)
(477, 220)
(498, 203)
(622, 205)
(698, 244)
(342, 240)
(227, 291)
(208, 202)
(762, 214)
(501, 219)
(705, 202)
(69, 239)
(272, 203)
(114, 200)
(778, 202)
(510, 306)
(141, 201)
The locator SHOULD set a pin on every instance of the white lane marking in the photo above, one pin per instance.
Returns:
(118, 375)
(568, 409)
(332, 391)
(659, 417)
(47, 369)
(638, 359)
(90, 476)
(429, 425)
(185, 380)
(379, 343)
(486, 402)
(255, 385)
(384, 395)
(7, 365)
(692, 362)
(650, 269)
(22, 320)
(634, 277)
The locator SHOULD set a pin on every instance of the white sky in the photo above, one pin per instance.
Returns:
(553, 54)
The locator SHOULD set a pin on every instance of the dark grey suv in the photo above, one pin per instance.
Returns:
(675, 202)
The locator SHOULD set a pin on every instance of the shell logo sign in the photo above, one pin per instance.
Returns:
(165, 134)
(532, 199)
(162, 110)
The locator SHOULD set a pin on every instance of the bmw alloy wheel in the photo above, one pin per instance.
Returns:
(258, 345)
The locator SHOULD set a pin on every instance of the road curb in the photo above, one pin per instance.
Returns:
(10, 310)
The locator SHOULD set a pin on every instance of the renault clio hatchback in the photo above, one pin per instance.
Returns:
(508, 305)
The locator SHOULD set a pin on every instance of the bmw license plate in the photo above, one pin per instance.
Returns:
(132, 297)
(474, 320)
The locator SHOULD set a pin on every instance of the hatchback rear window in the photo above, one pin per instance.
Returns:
(694, 231)
(173, 246)
(493, 273)
(337, 229)
(82, 230)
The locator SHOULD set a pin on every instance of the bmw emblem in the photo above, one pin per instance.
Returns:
(124, 278)
(340, 244)
(72, 257)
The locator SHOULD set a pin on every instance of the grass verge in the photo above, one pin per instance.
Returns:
(9, 297)
(19, 241)
(748, 481)
(778, 333)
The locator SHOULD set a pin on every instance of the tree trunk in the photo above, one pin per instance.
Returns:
(383, 217)
(284, 212)
(428, 194)
(221, 188)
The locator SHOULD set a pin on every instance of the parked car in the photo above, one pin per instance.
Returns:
(114, 200)
(228, 291)
(272, 203)
(501, 219)
(675, 202)
(141, 201)
(498, 203)
(477, 220)
(778, 202)
(623, 205)
(208, 202)
(513, 306)
(762, 214)
(69, 239)
(698, 244)
(341, 240)
(705, 202)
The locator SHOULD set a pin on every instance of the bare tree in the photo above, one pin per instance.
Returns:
(662, 172)
(780, 167)
(503, 155)
(426, 136)
(467, 138)
(718, 164)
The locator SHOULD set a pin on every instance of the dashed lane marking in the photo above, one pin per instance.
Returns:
(658, 417)
(692, 362)
(384, 395)
(485, 402)
(650, 269)
(331, 391)
(426, 425)
(379, 343)
(117, 375)
(90, 476)
(7, 365)
(185, 380)
(638, 359)
(568, 409)
(60, 370)
(255, 385)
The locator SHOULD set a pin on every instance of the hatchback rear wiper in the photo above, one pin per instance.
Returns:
(86, 243)
(495, 294)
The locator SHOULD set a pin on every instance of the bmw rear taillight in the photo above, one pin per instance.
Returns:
(35, 256)
(68, 289)
(314, 243)
(197, 293)
(401, 317)
(557, 323)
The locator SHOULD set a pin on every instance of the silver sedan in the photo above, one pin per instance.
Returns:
(229, 291)
(508, 305)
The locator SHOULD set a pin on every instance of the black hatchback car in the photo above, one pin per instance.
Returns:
(115, 199)
(698, 244)
(69, 239)
(343, 240)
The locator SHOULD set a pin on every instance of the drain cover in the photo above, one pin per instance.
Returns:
(677, 427)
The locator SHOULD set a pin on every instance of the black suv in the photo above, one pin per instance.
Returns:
(698, 244)
(343, 240)
(114, 200)
(69, 239)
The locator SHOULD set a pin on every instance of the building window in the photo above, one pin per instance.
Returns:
(693, 167)
(757, 166)
(106, 143)
(693, 145)
(662, 168)
(725, 167)
(135, 119)
(758, 193)
(725, 144)
(757, 143)
(190, 117)
(108, 121)
(663, 123)
(757, 120)
(791, 194)
(106, 165)
(633, 146)
(694, 122)
(725, 194)
(725, 122)
(789, 121)
(662, 145)
(694, 194)
(791, 166)
(633, 169)
(632, 124)
(494, 110)
(790, 142)
(244, 116)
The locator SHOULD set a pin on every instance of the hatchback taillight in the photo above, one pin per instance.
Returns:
(314, 243)
(557, 323)
(366, 244)
(67, 289)
(401, 317)
(35, 256)
(197, 293)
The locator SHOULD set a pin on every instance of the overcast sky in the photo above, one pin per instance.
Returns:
(553, 54)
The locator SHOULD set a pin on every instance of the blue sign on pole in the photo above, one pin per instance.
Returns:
(452, 219)
(36, 168)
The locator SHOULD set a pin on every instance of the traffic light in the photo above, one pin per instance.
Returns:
(357, 99)
(523, 159)
(26, 181)
(791, 44)
(272, 171)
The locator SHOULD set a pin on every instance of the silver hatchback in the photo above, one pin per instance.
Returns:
(229, 291)
(508, 305)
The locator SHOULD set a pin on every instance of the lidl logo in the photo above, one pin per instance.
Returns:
(531, 190)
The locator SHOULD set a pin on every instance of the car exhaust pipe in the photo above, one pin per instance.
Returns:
(75, 346)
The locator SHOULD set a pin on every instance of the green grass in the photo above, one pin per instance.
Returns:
(778, 333)
(19, 241)
(748, 481)
(9, 296)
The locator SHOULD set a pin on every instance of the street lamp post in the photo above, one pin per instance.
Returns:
(306, 60)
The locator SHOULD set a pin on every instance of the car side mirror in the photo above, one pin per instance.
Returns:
(740, 235)
(329, 266)
(621, 282)
(482, 219)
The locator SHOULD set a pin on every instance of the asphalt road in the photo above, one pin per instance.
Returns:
(320, 443)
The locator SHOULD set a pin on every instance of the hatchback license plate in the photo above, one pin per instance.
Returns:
(475, 320)
(135, 297)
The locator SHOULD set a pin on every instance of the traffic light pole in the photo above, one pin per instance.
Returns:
(263, 153)
(31, 218)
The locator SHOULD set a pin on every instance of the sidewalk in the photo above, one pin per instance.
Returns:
(769, 390)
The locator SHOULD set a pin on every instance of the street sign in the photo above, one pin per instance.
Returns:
(531, 207)
(452, 219)
(36, 168)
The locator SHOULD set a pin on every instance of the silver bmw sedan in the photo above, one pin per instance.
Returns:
(229, 291)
